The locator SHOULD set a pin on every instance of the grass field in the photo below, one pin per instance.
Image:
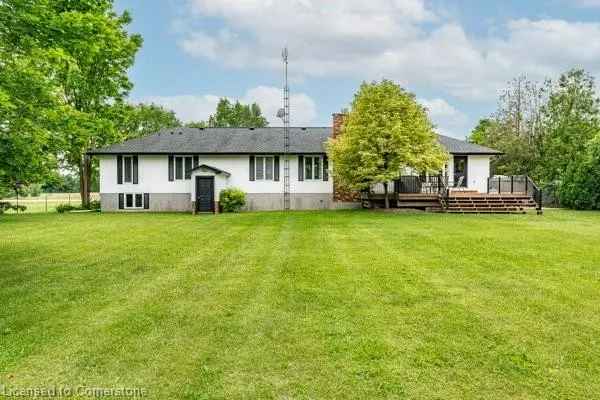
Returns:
(306, 305)
(47, 202)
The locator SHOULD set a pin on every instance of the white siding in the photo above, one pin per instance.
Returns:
(478, 171)
(153, 176)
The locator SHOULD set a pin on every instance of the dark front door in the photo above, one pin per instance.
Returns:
(460, 170)
(205, 193)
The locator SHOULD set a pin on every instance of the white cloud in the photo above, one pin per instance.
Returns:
(401, 40)
(200, 107)
(303, 110)
(186, 107)
(449, 120)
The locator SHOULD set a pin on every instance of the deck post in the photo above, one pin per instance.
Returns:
(499, 185)
(512, 184)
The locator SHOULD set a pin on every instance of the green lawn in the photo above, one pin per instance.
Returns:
(306, 305)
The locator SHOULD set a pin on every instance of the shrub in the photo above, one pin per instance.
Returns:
(6, 205)
(65, 207)
(232, 199)
(94, 205)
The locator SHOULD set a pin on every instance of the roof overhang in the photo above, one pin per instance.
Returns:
(476, 154)
(190, 153)
(212, 169)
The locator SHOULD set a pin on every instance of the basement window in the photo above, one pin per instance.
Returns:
(134, 200)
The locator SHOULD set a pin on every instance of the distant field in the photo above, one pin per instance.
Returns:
(47, 202)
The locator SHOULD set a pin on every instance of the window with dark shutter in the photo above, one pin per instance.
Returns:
(251, 168)
(276, 171)
(300, 168)
(171, 169)
(135, 170)
(121, 201)
(325, 168)
(120, 170)
(196, 161)
(146, 201)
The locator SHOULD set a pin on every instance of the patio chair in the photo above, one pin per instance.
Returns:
(459, 184)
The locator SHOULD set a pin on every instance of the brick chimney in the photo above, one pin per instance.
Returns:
(338, 121)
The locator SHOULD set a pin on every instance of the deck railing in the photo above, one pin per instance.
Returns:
(516, 184)
(410, 184)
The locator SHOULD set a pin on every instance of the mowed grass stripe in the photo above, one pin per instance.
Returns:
(304, 304)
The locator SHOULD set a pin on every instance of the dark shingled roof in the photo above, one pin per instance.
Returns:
(248, 140)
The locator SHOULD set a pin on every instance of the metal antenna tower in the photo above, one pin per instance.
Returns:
(286, 131)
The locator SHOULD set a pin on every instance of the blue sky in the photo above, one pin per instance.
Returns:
(456, 56)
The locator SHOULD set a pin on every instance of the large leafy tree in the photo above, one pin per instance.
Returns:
(142, 119)
(385, 132)
(516, 128)
(580, 186)
(27, 143)
(237, 115)
(572, 119)
(92, 52)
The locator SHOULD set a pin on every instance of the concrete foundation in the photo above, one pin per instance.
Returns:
(298, 201)
(254, 202)
(158, 202)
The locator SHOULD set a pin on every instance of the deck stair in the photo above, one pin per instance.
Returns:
(420, 201)
(471, 203)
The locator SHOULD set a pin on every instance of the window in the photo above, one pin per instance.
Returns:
(260, 168)
(183, 168)
(312, 167)
(269, 168)
(134, 200)
(178, 167)
(128, 167)
(265, 168)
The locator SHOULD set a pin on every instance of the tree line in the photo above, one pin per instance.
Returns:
(551, 132)
(64, 89)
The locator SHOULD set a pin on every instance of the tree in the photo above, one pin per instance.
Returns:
(28, 101)
(572, 119)
(196, 124)
(481, 133)
(386, 132)
(138, 120)
(237, 115)
(580, 187)
(516, 128)
(93, 52)
(25, 116)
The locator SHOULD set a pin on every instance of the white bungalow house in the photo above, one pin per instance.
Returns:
(184, 169)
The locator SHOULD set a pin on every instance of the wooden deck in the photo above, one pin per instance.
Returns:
(459, 202)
